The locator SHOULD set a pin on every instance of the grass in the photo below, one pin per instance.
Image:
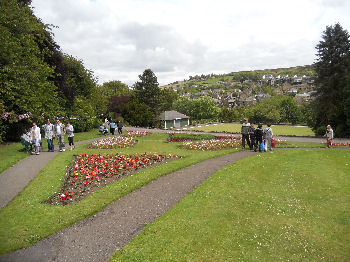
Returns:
(278, 130)
(288, 205)
(11, 153)
(26, 220)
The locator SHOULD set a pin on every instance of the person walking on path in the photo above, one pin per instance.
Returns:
(36, 137)
(252, 138)
(245, 132)
(120, 127)
(329, 136)
(59, 131)
(112, 127)
(268, 136)
(259, 133)
(70, 134)
(49, 134)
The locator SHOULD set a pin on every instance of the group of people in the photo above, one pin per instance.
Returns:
(111, 125)
(255, 137)
(51, 131)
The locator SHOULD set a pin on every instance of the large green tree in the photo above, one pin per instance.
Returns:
(201, 108)
(25, 85)
(147, 90)
(332, 69)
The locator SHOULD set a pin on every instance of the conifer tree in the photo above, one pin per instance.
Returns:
(332, 69)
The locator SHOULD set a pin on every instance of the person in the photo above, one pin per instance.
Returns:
(26, 140)
(268, 133)
(329, 136)
(36, 137)
(245, 132)
(59, 131)
(112, 127)
(258, 137)
(49, 134)
(251, 133)
(120, 127)
(70, 134)
(105, 129)
(100, 129)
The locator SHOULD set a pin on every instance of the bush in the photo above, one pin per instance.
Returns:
(321, 131)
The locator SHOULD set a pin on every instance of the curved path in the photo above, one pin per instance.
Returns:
(17, 177)
(96, 238)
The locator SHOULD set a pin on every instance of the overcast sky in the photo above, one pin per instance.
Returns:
(119, 39)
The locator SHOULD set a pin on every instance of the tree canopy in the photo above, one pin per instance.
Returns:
(332, 69)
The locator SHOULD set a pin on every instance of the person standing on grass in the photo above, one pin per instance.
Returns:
(120, 127)
(329, 136)
(268, 136)
(259, 133)
(49, 134)
(245, 132)
(35, 137)
(252, 138)
(70, 134)
(59, 131)
(112, 127)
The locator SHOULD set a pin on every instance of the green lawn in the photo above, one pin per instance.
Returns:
(278, 130)
(26, 220)
(288, 205)
(11, 153)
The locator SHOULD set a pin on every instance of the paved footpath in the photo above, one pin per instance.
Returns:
(97, 237)
(17, 177)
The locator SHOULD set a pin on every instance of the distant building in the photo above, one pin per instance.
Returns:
(174, 119)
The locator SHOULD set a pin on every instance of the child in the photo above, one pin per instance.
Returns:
(100, 129)
(268, 136)
(258, 137)
(329, 135)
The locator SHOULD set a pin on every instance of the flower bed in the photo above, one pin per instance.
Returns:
(180, 137)
(132, 133)
(338, 144)
(213, 144)
(89, 173)
(113, 142)
(220, 142)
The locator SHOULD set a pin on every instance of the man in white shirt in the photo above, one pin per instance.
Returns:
(59, 132)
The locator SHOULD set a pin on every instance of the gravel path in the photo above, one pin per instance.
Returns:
(96, 238)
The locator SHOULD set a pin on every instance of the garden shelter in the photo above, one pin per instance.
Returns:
(174, 119)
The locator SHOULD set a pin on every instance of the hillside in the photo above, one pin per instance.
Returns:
(249, 87)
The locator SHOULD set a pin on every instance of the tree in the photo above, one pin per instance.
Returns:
(25, 85)
(137, 114)
(332, 70)
(198, 109)
(167, 98)
(147, 90)
(115, 88)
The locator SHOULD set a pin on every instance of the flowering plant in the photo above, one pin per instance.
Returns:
(339, 144)
(132, 133)
(213, 144)
(113, 142)
(88, 173)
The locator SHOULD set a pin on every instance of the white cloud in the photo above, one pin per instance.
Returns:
(177, 38)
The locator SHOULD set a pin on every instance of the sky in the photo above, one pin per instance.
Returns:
(119, 39)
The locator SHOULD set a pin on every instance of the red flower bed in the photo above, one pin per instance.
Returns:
(89, 173)
(341, 144)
